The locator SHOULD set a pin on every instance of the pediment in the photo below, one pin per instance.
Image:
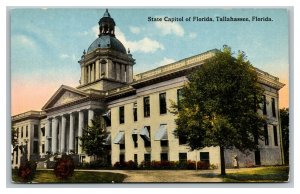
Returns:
(64, 95)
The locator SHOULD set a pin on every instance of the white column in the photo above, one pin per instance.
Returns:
(92, 72)
(89, 74)
(63, 135)
(90, 117)
(106, 71)
(82, 76)
(97, 69)
(71, 133)
(54, 135)
(47, 133)
(80, 127)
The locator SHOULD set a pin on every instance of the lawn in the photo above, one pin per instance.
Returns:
(48, 176)
(262, 174)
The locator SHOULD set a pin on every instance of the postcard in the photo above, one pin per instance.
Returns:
(165, 95)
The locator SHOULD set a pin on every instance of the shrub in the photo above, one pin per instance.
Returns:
(131, 165)
(64, 167)
(182, 165)
(97, 164)
(27, 171)
(126, 165)
(191, 165)
(202, 165)
(117, 165)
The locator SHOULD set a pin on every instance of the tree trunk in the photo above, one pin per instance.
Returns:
(222, 160)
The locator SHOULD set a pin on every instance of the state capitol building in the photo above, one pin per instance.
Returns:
(134, 110)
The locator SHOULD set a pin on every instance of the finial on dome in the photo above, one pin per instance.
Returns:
(106, 14)
(128, 51)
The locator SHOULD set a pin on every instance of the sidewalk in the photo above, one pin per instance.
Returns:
(164, 176)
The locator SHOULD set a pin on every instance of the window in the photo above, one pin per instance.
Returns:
(182, 140)
(122, 146)
(135, 158)
(43, 148)
(273, 107)
(147, 142)
(164, 157)
(182, 157)
(147, 106)
(275, 135)
(162, 103)
(179, 98)
(204, 157)
(135, 112)
(122, 158)
(266, 134)
(17, 132)
(35, 147)
(107, 117)
(121, 114)
(43, 131)
(164, 143)
(103, 68)
(22, 132)
(17, 155)
(264, 105)
(35, 131)
(147, 157)
(135, 140)
(27, 131)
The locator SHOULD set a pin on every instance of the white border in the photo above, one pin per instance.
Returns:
(32, 3)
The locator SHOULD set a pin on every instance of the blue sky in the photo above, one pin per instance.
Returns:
(47, 43)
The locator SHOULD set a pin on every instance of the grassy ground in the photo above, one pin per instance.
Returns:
(261, 174)
(48, 176)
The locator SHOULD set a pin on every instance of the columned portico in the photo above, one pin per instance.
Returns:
(54, 135)
(47, 133)
(80, 129)
(63, 135)
(90, 117)
(71, 133)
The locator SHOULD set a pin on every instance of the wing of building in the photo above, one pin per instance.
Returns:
(134, 111)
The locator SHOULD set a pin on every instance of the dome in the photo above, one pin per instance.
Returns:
(107, 41)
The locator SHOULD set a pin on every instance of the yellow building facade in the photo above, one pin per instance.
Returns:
(137, 108)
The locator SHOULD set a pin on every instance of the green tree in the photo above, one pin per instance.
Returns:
(219, 105)
(14, 137)
(94, 140)
(284, 119)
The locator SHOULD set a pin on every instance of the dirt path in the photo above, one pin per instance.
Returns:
(164, 176)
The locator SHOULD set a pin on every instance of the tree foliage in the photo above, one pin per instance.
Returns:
(284, 118)
(94, 139)
(14, 139)
(220, 104)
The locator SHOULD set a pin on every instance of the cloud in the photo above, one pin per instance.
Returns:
(93, 32)
(145, 45)
(165, 61)
(167, 28)
(146, 66)
(135, 30)
(192, 35)
(23, 41)
(67, 56)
